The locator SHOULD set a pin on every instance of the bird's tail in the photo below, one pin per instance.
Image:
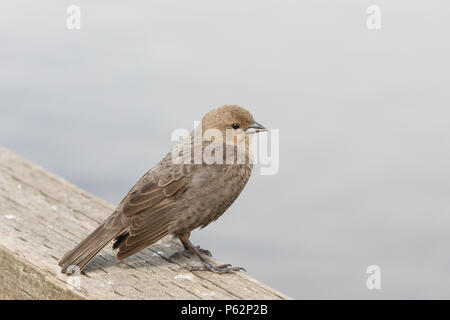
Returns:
(76, 259)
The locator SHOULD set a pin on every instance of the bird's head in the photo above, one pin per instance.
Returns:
(231, 119)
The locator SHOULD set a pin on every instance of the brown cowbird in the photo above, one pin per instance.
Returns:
(189, 188)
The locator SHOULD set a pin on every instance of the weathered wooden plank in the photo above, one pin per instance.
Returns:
(42, 216)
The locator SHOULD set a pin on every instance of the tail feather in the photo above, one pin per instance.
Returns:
(77, 258)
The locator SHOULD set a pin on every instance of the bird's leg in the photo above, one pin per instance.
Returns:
(183, 238)
(204, 251)
(207, 266)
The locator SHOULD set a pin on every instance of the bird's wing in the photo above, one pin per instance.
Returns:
(151, 205)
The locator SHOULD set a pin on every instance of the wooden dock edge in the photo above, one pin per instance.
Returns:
(42, 216)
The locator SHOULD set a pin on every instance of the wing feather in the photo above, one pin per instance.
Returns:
(152, 207)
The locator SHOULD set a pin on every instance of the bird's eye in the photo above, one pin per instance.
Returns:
(235, 126)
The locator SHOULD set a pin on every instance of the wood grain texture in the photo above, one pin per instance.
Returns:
(42, 216)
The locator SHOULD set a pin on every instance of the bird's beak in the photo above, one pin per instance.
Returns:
(255, 127)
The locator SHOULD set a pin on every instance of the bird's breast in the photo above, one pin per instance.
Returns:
(212, 189)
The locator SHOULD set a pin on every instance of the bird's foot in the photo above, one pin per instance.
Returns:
(187, 251)
(224, 268)
(204, 251)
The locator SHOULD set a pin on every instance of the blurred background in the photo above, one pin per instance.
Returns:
(364, 120)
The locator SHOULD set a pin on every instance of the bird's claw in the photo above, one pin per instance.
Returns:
(204, 251)
(187, 251)
(224, 268)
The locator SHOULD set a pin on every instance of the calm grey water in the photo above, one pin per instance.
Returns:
(364, 119)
